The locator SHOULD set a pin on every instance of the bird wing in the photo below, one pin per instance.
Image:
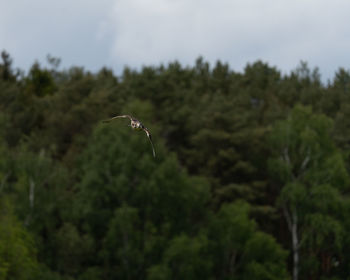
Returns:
(117, 117)
(150, 139)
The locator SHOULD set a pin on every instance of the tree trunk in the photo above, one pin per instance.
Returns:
(31, 202)
(292, 222)
(295, 242)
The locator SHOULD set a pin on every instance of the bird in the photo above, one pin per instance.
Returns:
(135, 125)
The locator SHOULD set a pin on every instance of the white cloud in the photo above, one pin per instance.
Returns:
(279, 32)
(68, 29)
(136, 32)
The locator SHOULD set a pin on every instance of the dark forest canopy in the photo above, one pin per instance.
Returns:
(251, 178)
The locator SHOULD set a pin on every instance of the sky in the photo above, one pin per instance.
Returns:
(136, 33)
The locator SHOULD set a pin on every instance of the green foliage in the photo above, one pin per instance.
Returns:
(127, 199)
(312, 176)
(185, 258)
(72, 249)
(266, 258)
(17, 251)
(123, 243)
(240, 250)
(40, 81)
(236, 153)
(6, 72)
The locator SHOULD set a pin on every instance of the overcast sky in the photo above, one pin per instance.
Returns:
(115, 33)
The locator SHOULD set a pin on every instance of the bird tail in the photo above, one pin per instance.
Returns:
(154, 152)
(150, 139)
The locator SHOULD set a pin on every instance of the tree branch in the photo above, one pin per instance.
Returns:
(305, 162)
(288, 217)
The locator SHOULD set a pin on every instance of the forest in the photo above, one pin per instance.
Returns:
(250, 179)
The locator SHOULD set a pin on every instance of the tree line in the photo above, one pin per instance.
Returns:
(250, 181)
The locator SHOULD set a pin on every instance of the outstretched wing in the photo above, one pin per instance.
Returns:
(150, 139)
(117, 117)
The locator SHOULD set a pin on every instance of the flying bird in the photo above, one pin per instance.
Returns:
(135, 125)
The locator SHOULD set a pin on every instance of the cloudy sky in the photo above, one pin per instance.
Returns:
(115, 33)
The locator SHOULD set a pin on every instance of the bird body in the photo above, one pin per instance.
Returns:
(135, 125)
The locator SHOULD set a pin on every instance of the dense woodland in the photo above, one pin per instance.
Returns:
(250, 180)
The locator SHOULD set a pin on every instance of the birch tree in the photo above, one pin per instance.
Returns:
(310, 175)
